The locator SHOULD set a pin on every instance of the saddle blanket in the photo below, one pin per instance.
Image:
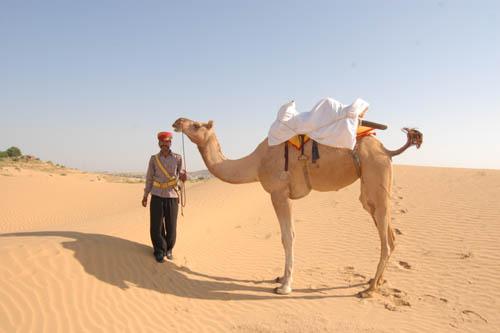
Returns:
(329, 122)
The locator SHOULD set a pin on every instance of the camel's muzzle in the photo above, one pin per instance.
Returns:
(177, 125)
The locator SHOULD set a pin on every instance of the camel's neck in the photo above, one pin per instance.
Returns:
(243, 170)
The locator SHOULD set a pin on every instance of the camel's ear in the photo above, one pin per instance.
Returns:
(209, 124)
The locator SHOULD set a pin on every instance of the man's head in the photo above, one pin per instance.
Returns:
(165, 141)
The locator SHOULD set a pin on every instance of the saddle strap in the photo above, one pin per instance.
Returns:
(286, 156)
(315, 152)
(301, 140)
(355, 158)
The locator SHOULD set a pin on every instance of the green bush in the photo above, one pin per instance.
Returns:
(13, 152)
(3, 154)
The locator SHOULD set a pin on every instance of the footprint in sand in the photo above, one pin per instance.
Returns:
(390, 307)
(395, 298)
(467, 316)
(433, 299)
(404, 264)
(397, 231)
(465, 255)
(471, 315)
(351, 276)
(401, 302)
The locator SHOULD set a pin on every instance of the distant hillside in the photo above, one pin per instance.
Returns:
(201, 174)
(34, 163)
(138, 175)
(192, 175)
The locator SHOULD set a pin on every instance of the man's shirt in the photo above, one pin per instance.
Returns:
(173, 164)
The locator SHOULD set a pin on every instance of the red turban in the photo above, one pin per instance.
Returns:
(164, 136)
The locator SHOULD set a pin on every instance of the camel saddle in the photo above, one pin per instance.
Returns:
(365, 128)
(330, 123)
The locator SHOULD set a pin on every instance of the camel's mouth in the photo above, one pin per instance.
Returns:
(177, 125)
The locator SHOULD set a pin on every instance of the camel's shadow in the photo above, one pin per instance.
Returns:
(124, 263)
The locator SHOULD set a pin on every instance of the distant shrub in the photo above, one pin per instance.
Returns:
(13, 152)
(3, 154)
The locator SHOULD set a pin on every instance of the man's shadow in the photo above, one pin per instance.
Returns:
(124, 263)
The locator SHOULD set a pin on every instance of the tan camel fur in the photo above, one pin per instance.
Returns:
(335, 169)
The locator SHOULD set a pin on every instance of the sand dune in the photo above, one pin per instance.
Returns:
(76, 257)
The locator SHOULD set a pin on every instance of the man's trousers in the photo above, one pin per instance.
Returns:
(163, 223)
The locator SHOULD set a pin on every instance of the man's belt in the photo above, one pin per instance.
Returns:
(171, 183)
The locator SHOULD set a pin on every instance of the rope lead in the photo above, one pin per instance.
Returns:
(182, 186)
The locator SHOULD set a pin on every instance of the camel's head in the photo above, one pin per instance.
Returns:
(197, 132)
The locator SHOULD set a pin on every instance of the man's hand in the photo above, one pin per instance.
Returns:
(183, 177)
(144, 201)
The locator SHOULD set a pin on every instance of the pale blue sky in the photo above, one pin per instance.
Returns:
(88, 84)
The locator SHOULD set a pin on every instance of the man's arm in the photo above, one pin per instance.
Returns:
(149, 182)
(181, 170)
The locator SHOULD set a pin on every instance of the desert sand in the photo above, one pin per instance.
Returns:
(76, 257)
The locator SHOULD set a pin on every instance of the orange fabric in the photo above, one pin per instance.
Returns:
(295, 141)
(359, 136)
(361, 132)
(364, 131)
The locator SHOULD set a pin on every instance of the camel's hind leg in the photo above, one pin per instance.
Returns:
(282, 206)
(375, 197)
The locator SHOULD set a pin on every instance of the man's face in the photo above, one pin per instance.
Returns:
(165, 145)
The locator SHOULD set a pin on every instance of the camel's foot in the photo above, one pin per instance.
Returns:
(285, 287)
(368, 292)
(381, 281)
(283, 290)
(365, 293)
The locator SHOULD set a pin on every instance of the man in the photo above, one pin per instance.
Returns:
(164, 169)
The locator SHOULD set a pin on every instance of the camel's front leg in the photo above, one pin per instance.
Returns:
(283, 209)
(386, 235)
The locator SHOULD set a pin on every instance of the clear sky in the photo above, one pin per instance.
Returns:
(89, 83)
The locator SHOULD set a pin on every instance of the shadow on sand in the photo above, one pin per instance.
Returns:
(124, 264)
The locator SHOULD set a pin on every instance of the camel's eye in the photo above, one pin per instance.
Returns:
(196, 125)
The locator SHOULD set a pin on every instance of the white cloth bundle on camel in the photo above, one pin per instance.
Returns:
(329, 122)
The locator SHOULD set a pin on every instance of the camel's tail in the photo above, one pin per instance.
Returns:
(414, 138)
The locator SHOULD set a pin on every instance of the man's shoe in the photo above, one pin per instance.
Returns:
(159, 257)
(169, 255)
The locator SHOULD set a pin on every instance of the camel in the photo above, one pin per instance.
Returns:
(336, 168)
